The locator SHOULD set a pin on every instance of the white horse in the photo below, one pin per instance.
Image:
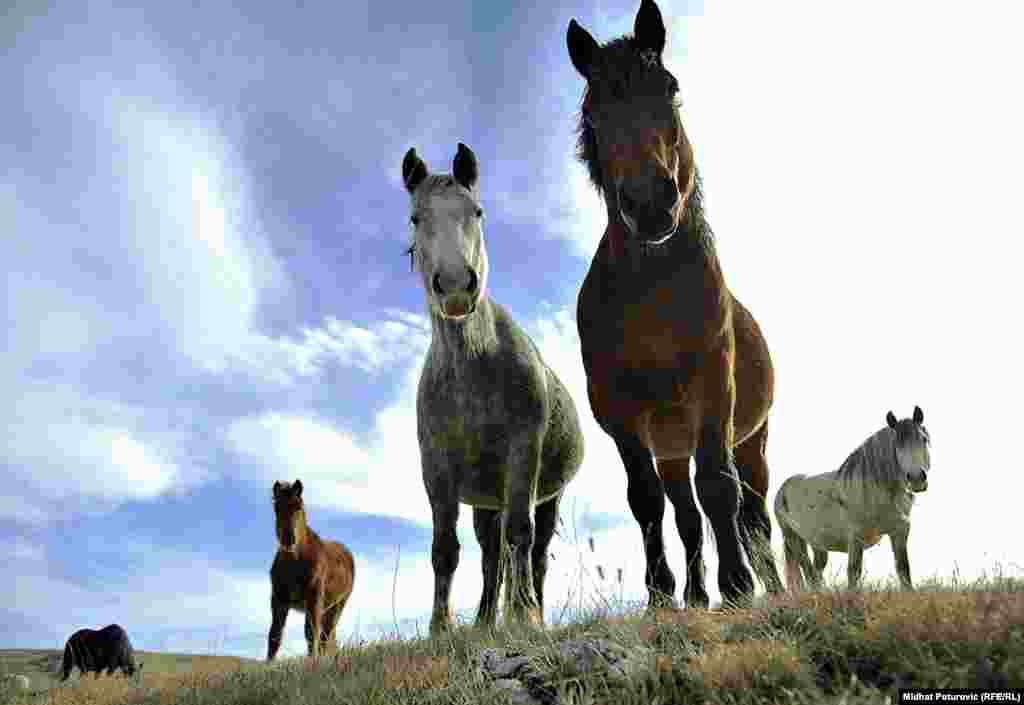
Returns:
(852, 508)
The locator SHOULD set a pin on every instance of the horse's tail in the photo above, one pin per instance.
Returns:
(69, 661)
(793, 545)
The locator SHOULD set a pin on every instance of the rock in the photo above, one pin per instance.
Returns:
(518, 694)
(587, 655)
(527, 685)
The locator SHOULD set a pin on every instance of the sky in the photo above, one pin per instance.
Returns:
(202, 225)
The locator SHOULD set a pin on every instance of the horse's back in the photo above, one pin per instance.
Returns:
(812, 505)
(99, 649)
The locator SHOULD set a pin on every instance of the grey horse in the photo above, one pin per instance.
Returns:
(497, 429)
(852, 508)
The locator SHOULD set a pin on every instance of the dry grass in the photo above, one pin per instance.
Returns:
(830, 646)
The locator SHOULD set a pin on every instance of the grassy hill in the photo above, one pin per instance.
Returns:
(826, 647)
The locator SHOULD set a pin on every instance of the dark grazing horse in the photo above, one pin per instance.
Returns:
(309, 574)
(676, 367)
(98, 650)
(497, 429)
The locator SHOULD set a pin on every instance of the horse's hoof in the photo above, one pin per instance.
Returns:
(441, 627)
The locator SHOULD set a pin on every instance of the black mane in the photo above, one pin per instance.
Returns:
(620, 62)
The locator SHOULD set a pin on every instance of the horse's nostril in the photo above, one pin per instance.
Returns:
(436, 281)
(473, 281)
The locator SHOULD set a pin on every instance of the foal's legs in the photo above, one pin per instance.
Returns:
(646, 495)
(329, 637)
(314, 617)
(487, 524)
(719, 492)
(675, 475)
(754, 521)
(898, 539)
(278, 616)
(546, 520)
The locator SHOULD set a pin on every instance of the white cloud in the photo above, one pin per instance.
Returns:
(67, 450)
(399, 337)
(339, 471)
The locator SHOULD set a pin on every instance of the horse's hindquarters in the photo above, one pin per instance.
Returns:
(754, 374)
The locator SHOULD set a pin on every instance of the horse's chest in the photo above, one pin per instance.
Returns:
(289, 578)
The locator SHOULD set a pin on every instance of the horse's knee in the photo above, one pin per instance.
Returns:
(444, 554)
(717, 481)
(520, 530)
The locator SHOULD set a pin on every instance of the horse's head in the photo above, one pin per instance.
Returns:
(631, 137)
(448, 237)
(913, 448)
(290, 514)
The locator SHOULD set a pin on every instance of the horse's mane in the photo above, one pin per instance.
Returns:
(874, 462)
(619, 60)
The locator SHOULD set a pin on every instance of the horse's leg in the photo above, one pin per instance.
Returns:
(754, 522)
(309, 634)
(520, 530)
(675, 476)
(314, 616)
(820, 561)
(487, 524)
(546, 520)
(444, 551)
(330, 634)
(855, 565)
(795, 550)
(645, 493)
(718, 489)
(898, 539)
(278, 616)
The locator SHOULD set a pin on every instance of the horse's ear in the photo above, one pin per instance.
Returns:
(277, 488)
(297, 488)
(890, 419)
(465, 168)
(649, 28)
(583, 48)
(413, 170)
(918, 415)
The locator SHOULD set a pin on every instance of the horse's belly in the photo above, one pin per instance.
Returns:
(672, 433)
(484, 496)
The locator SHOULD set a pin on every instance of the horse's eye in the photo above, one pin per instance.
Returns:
(414, 219)
(479, 212)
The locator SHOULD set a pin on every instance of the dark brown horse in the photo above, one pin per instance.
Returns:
(676, 366)
(309, 574)
(98, 650)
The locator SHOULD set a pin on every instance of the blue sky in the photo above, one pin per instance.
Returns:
(201, 231)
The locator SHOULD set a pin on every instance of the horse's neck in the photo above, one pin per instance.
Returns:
(474, 337)
(687, 255)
